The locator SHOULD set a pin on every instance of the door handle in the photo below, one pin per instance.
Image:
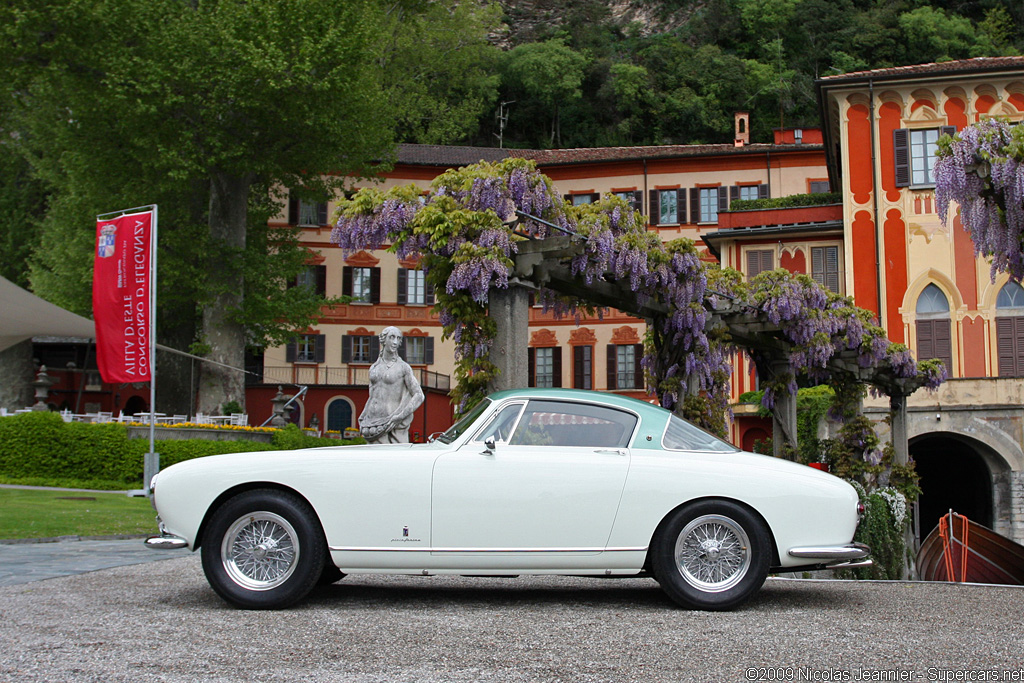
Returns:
(612, 451)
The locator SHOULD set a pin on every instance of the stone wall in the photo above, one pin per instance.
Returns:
(16, 376)
(1017, 506)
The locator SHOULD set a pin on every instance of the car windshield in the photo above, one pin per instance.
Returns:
(683, 436)
(460, 427)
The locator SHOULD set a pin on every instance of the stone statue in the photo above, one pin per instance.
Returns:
(394, 394)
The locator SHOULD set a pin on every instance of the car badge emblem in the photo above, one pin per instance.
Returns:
(405, 532)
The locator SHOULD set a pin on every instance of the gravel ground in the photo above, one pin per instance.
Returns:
(161, 622)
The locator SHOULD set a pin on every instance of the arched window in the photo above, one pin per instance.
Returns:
(933, 327)
(339, 415)
(1010, 330)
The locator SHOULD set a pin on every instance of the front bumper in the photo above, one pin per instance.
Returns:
(835, 557)
(166, 542)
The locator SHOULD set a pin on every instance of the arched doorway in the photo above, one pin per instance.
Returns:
(339, 415)
(955, 475)
(135, 404)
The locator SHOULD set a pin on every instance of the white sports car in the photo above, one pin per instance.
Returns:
(533, 481)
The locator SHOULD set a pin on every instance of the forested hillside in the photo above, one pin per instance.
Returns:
(632, 72)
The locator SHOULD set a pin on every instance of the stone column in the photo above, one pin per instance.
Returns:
(901, 456)
(898, 417)
(783, 414)
(510, 310)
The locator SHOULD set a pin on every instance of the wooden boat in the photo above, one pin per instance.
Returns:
(959, 550)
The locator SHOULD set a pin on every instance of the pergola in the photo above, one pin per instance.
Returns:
(546, 263)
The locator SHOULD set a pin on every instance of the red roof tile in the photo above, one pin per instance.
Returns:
(977, 64)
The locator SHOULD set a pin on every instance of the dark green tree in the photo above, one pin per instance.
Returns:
(209, 108)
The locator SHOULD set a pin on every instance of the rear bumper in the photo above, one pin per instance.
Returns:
(835, 557)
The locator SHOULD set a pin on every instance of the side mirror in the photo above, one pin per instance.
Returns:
(489, 443)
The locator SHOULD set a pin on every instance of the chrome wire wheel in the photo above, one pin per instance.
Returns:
(712, 553)
(260, 551)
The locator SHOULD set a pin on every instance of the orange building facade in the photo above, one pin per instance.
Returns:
(882, 244)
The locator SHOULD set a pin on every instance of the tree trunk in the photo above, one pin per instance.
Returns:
(229, 201)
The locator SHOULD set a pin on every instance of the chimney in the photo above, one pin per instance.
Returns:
(742, 128)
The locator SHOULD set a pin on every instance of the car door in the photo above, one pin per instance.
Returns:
(551, 483)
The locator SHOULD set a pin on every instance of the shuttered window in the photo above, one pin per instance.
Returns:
(314, 277)
(1010, 330)
(305, 212)
(748, 192)
(362, 284)
(825, 267)
(545, 366)
(635, 199)
(758, 261)
(413, 287)
(934, 338)
(417, 350)
(933, 341)
(914, 154)
(667, 207)
(583, 367)
(712, 200)
(360, 348)
(624, 369)
(307, 348)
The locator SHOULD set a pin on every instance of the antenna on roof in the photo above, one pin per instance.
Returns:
(502, 122)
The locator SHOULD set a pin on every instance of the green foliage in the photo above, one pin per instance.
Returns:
(789, 201)
(39, 448)
(22, 201)
(679, 76)
(881, 529)
(231, 407)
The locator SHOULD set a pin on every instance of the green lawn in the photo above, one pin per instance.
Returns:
(41, 514)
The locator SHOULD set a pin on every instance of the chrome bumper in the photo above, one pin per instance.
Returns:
(166, 542)
(835, 557)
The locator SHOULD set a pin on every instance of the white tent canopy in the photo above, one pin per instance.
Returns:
(24, 315)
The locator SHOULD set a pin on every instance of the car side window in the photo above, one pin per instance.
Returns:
(564, 423)
(501, 425)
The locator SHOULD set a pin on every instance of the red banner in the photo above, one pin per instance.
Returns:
(121, 298)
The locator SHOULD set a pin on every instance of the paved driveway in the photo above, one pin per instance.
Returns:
(160, 622)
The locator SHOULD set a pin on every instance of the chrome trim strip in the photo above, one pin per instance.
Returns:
(342, 549)
(853, 551)
(850, 565)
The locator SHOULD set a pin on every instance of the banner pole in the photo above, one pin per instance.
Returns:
(152, 464)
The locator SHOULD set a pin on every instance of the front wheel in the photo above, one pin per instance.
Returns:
(711, 555)
(263, 549)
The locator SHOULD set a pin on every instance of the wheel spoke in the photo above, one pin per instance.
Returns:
(712, 553)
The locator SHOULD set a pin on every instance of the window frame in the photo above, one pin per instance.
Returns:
(903, 154)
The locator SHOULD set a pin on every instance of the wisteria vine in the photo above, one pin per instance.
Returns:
(465, 231)
(981, 168)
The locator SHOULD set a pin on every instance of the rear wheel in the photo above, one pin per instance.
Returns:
(711, 555)
(263, 549)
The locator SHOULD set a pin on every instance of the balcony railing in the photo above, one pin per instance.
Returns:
(353, 375)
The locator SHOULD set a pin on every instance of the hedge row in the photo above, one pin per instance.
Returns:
(41, 446)
(789, 201)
